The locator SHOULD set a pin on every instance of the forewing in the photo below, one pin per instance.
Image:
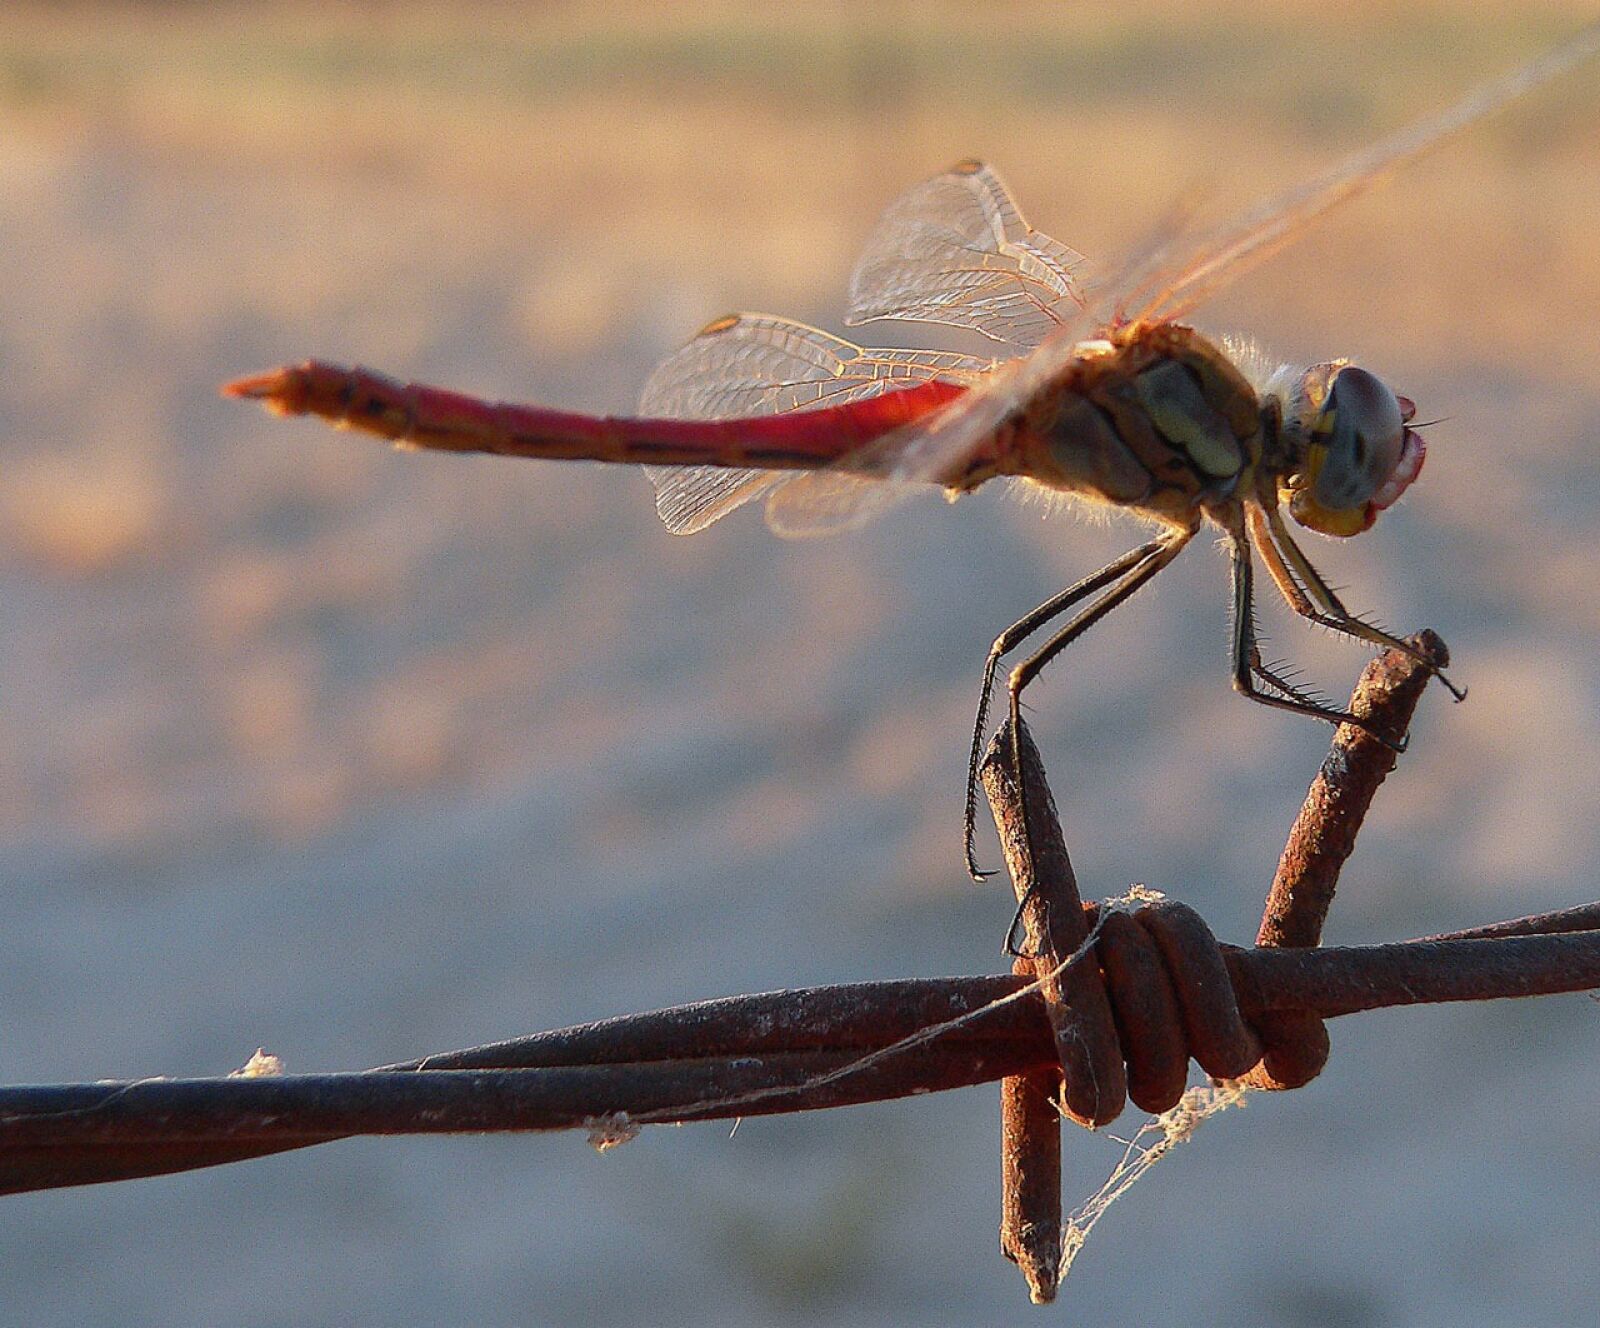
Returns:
(1195, 266)
(760, 364)
(955, 249)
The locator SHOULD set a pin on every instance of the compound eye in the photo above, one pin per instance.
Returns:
(1366, 439)
(1374, 410)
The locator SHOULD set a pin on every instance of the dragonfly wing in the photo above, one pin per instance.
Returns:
(760, 364)
(690, 498)
(824, 502)
(955, 249)
(1176, 279)
(937, 447)
(907, 460)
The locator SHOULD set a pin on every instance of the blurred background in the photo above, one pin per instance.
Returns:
(356, 756)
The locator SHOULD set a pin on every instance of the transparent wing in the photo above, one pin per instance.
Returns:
(690, 498)
(824, 502)
(759, 364)
(1193, 267)
(939, 446)
(955, 249)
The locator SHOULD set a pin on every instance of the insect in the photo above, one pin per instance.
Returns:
(1096, 391)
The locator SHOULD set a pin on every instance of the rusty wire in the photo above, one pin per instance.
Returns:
(1159, 991)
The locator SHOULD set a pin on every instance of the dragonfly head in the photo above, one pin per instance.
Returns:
(1358, 455)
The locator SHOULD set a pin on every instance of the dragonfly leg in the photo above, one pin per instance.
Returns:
(1136, 572)
(1247, 665)
(1288, 686)
(1272, 538)
(1008, 641)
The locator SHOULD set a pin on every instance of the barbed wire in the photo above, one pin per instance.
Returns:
(1107, 1001)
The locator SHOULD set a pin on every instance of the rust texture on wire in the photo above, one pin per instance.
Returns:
(1323, 837)
(1054, 928)
(1030, 1171)
(1152, 986)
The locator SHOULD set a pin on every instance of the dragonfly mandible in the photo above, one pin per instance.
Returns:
(1096, 391)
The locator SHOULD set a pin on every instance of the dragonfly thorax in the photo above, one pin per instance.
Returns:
(1154, 417)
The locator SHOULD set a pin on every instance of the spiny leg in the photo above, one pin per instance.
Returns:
(1247, 665)
(1272, 538)
(1271, 674)
(1288, 686)
(1008, 641)
(1154, 557)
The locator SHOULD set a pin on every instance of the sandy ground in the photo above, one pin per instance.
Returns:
(356, 756)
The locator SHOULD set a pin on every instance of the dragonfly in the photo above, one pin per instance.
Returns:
(1095, 390)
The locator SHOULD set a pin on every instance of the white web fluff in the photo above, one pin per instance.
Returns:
(1175, 1127)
